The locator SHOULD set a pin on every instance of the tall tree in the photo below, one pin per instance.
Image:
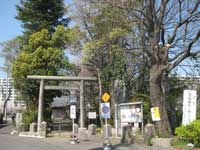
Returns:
(41, 14)
(44, 55)
(166, 33)
(102, 52)
(106, 47)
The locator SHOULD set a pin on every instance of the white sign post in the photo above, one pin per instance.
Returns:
(105, 110)
(73, 116)
(105, 113)
(189, 106)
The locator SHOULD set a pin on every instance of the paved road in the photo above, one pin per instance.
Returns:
(10, 142)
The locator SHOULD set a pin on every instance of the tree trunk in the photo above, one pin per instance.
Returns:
(4, 105)
(100, 94)
(158, 100)
(112, 99)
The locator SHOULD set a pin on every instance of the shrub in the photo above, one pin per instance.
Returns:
(190, 133)
(28, 117)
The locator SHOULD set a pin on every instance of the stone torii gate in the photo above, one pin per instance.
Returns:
(59, 78)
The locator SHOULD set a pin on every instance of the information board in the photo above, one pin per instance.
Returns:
(131, 113)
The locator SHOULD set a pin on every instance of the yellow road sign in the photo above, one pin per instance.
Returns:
(105, 97)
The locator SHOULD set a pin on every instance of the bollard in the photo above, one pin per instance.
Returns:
(43, 132)
(33, 127)
(127, 137)
(109, 131)
(92, 129)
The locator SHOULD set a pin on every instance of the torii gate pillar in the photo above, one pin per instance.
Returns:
(82, 108)
(40, 105)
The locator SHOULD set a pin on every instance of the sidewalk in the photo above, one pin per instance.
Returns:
(96, 141)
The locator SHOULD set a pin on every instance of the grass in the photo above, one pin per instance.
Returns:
(99, 130)
(178, 142)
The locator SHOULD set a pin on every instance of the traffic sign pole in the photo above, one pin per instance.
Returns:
(73, 116)
(73, 128)
(106, 122)
(106, 114)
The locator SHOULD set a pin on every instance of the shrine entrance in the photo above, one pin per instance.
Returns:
(43, 87)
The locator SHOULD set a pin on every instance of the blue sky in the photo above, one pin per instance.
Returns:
(10, 27)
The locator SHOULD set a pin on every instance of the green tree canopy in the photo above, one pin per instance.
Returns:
(41, 14)
(43, 55)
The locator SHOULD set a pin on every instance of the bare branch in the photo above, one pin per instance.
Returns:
(182, 22)
(186, 53)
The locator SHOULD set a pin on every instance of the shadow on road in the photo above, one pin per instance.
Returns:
(114, 147)
(3, 125)
(5, 128)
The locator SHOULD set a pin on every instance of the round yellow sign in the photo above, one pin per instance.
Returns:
(105, 97)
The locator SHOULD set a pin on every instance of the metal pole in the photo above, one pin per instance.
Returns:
(106, 122)
(73, 128)
(40, 105)
(116, 120)
(59, 126)
(142, 119)
(82, 107)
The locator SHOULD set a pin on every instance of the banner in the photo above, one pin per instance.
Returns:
(189, 106)
(155, 114)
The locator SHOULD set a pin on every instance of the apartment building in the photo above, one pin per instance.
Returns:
(6, 86)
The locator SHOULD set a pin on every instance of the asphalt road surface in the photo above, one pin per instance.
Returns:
(18, 143)
(10, 142)
(13, 142)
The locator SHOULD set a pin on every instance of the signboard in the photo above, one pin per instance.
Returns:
(92, 115)
(189, 106)
(155, 114)
(73, 98)
(130, 113)
(73, 111)
(105, 97)
(105, 110)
